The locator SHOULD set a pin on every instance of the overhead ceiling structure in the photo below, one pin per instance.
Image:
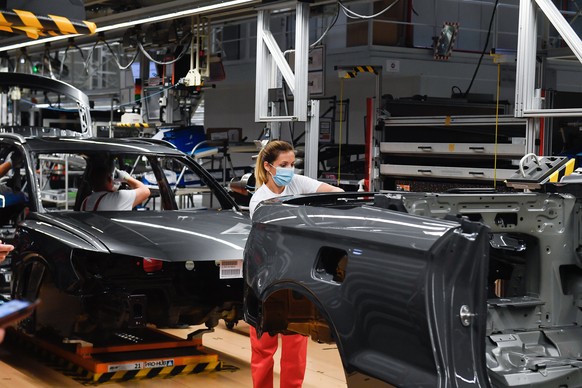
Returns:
(34, 26)
(113, 17)
(38, 18)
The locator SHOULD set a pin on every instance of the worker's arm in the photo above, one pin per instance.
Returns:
(4, 168)
(326, 188)
(142, 192)
(6, 165)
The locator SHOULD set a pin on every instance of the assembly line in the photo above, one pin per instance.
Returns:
(265, 193)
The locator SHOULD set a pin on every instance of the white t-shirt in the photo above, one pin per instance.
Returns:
(115, 200)
(300, 184)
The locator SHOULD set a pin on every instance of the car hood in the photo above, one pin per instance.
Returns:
(165, 235)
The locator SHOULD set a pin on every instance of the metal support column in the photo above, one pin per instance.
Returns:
(312, 140)
(526, 48)
(272, 67)
(274, 126)
(375, 183)
(528, 100)
(301, 60)
(3, 109)
(526, 66)
(369, 142)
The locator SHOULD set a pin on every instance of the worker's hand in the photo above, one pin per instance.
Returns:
(9, 159)
(120, 175)
(4, 250)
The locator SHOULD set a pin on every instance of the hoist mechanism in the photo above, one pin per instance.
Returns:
(199, 53)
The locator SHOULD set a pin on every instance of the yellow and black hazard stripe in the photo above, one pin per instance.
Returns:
(153, 372)
(360, 69)
(132, 125)
(566, 169)
(25, 22)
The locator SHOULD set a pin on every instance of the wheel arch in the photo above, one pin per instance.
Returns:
(311, 316)
(29, 274)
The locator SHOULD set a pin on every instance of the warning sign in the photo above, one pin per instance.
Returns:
(158, 363)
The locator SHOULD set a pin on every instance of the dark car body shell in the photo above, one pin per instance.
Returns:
(95, 258)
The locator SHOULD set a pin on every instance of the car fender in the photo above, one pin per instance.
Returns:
(61, 233)
(298, 290)
(35, 238)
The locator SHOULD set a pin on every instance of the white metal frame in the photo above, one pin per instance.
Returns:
(527, 97)
(271, 64)
(271, 60)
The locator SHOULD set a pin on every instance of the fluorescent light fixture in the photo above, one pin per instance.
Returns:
(34, 42)
(152, 19)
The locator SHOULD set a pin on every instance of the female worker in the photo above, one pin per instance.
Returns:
(275, 177)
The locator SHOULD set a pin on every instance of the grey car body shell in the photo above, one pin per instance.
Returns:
(396, 315)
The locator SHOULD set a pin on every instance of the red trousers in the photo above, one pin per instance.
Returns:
(293, 359)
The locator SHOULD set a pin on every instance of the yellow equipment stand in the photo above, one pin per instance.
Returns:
(143, 353)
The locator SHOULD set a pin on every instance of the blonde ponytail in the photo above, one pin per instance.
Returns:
(260, 172)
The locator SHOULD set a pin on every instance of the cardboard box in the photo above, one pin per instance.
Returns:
(383, 33)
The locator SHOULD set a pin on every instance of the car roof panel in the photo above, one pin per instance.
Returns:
(72, 144)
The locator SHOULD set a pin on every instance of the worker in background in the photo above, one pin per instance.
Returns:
(105, 195)
(4, 250)
(275, 177)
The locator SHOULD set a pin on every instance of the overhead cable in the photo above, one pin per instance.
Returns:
(353, 15)
(148, 56)
(119, 65)
(484, 49)
(71, 44)
(328, 28)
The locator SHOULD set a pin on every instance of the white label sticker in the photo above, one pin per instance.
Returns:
(129, 366)
(392, 66)
(158, 363)
(231, 269)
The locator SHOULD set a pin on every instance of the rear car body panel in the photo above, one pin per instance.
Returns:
(391, 312)
(497, 297)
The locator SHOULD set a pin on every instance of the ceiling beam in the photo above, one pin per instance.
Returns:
(147, 15)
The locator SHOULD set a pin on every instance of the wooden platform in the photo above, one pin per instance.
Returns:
(324, 369)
